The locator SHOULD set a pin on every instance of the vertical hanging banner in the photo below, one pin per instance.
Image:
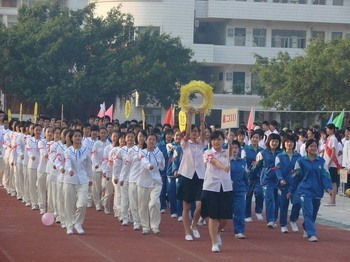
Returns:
(127, 109)
(143, 117)
(9, 114)
(20, 111)
(182, 121)
(35, 116)
(229, 118)
(62, 115)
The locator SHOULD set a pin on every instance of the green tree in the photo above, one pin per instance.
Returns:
(316, 81)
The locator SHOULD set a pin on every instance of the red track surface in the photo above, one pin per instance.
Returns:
(24, 238)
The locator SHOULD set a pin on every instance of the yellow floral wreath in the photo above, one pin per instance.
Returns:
(200, 87)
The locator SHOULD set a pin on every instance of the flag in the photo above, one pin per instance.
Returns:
(338, 121)
(35, 116)
(250, 119)
(169, 117)
(102, 111)
(109, 112)
(20, 111)
(330, 120)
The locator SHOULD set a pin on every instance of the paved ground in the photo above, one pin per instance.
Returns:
(24, 238)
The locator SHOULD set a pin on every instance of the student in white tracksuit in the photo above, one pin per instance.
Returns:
(29, 133)
(115, 173)
(124, 155)
(20, 146)
(7, 180)
(97, 160)
(34, 155)
(107, 168)
(13, 161)
(76, 182)
(150, 185)
(44, 147)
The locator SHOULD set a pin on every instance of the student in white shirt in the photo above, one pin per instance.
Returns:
(217, 188)
(8, 169)
(34, 156)
(150, 185)
(20, 146)
(97, 159)
(27, 136)
(192, 171)
(76, 183)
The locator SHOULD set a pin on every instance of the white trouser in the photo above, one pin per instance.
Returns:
(125, 201)
(50, 205)
(149, 206)
(76, 198)
(19, 180)
(2, 168)
(54, 198)
(42, 189)
(107, 196)
(26, 184)
(96, 189)
(133, 200)
(60, 202)
(33, 190)
(117, 200)
(8, 177)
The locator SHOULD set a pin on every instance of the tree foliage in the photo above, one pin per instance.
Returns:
(58, 56)
(318, 80)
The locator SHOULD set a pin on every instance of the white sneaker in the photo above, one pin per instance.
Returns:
(215, 248)
(89, 204)
(156, 231)
(271, 225)
(35, 207)
(259, 216)
(42, 211)
(200, 222)
(69, 231)
(179, 219)
(248, 220)
(305, 234)
(218, 240)
(125, 222)
(162, 211)
(195, 232)
(99, 208)
(188, 238)
(294, 226)
(312, 239)
(240, 236)
(79, 229)
(137, 226)
(173, 216)
(145, 232)
(284, 229)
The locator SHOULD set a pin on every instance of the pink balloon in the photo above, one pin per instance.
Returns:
(48, 219)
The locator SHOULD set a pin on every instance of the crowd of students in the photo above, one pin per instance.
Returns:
(202, 175)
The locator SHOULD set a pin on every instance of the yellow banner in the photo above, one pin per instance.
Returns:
(143, 116)
(20, 111)
(9, 114)
(182, 121)
(35, 116)
(127, 109)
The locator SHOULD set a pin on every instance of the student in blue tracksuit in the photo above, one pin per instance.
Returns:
(285, 163)
(238, 167)
(311, 178)
(249, 154)
(177, 156)
(268, 178)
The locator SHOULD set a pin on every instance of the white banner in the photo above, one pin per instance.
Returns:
(229, 118)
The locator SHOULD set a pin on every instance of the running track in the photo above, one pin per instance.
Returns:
(24, 238)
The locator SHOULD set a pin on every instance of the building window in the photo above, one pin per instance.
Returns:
(229, 76)
(265, 1)
(154, 30)
(238, 83)
(288, 38)
(347, 36)
(230, 32)
(336, 35)
(239, 36)
(254, 84)
(319, 34)
(319, 2)
(8, 3)
(338, 2)
(259, 37)
(221, 76)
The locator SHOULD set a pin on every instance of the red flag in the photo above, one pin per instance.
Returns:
(169, 117)
(102, 111)
(250, 119)
(109, 112)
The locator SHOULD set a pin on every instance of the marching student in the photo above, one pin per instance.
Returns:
(238, 170)
(217, 188)
(150, 185)
(32, 148)
(107, 169)
(8, 169)
(122, 166)
(268, 178)
(20, 147)
(285, 163)
(97, 159)
(311, 178)
(76, 183)
(192, 170)
(254, 188)
(29, 133)
(44, 148)
(16, 175)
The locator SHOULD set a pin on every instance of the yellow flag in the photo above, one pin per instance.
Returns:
(143, 116)
(9, 114)
(127, 109)
(20, 111)
(182, 121)
(35, 116)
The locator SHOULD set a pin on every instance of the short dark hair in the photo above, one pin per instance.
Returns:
(271, 137)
